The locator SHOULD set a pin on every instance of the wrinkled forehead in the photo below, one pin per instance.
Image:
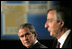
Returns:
(51, 14)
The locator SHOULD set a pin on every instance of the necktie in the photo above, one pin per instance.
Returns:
(58, 45)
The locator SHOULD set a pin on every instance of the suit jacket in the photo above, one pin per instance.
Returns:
(38, 45)
(67, 43)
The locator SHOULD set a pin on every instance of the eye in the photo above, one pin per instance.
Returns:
(22, 36)
(25, 35)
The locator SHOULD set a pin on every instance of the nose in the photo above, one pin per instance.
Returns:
(46, 25)
(25, 38)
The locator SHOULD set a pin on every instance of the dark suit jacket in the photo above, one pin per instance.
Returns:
(67, 43)
(38, 45)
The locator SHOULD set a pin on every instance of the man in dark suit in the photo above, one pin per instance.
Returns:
(38, 45)
(59, 25)
(28, 36)
(67, 43)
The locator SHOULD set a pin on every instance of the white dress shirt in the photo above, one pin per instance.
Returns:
(36, 41)
(63, 38)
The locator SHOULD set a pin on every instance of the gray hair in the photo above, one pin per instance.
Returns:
(27, 25)
(63, 14)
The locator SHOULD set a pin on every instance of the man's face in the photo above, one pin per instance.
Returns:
(52, 24)
(26, 37)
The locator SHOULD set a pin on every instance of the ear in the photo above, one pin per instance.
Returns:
(35, 34)
(62, 23)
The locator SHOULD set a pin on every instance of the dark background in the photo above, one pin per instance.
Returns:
(18, 44)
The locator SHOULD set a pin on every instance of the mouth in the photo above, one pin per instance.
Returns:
(26, 42)
(49, 31)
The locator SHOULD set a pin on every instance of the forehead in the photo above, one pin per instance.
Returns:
(51, 14)
(23, 31)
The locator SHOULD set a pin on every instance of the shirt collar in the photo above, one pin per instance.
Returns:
(36, 41)
(63, 37)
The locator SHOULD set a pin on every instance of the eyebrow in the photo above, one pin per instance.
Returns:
(25, 34)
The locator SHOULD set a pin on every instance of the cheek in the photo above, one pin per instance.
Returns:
(31, 38)
(22, 39)
(54, 27)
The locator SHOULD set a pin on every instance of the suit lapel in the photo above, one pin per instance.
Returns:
(67, 42)
(36, 45)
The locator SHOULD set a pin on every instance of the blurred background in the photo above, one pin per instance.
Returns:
(15, 13)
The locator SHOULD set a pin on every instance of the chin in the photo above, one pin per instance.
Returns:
(51, 34)
(27, 45)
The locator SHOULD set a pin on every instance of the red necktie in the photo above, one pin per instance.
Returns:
(58, 45)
